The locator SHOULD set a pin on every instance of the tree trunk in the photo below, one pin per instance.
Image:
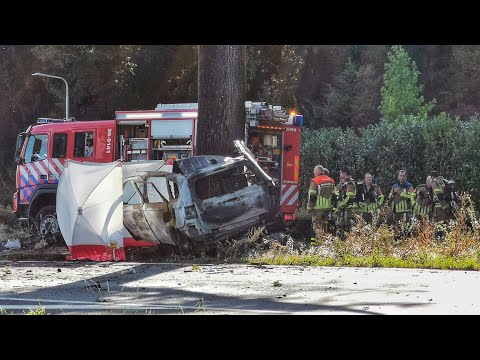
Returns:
(221, 98)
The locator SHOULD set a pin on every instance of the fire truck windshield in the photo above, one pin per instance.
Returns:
(37, 148)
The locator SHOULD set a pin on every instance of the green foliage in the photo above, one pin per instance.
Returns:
(401, 93)
(37, 311)
(414, 262)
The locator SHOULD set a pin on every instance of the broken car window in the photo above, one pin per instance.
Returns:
(221, 183)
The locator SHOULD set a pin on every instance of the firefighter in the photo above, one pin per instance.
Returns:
(422, 206)
(401, 199)
(331, 220)
(346, 192)
(372, 199)
(441, 208)
(320, 201)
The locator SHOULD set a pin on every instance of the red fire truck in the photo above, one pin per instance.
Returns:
(166, 133)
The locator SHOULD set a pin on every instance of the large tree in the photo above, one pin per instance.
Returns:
(221, 98)
(366, 100)
(401, 92)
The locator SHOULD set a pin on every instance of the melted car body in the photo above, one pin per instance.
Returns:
(204, 198)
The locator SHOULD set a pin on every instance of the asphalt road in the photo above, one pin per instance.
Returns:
(162, 288)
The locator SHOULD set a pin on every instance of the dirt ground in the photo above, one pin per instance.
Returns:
(59, 253)
(163, 253)
(56, 253)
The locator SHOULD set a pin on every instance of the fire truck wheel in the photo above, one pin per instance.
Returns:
(46, 224)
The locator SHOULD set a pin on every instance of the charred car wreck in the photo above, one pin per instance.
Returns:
(202, 199)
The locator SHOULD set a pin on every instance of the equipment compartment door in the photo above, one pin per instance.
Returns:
(290, 170)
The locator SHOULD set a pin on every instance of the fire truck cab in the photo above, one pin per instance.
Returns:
(40, 154)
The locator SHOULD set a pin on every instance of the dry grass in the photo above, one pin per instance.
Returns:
(366, 245)
(418, 244)
(236, 248)
(9, 226)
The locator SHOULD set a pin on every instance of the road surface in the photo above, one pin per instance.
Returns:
(172, 288)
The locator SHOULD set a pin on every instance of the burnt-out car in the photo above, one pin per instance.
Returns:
(204, 199)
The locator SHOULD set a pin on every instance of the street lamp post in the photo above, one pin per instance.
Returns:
(66, 92)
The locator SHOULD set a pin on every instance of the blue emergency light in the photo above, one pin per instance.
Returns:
(299, 120)
(49, 120)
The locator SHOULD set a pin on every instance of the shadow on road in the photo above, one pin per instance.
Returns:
(116, 292)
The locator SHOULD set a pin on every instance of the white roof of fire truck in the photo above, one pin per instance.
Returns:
(162, 111)
(191, 110)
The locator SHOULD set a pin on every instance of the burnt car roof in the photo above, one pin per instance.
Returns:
(197, 163)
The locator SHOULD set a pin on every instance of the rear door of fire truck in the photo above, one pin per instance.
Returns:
(85, 145)
(290, 171)
(93, 142)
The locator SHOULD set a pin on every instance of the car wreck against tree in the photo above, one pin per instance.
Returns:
(201, 200)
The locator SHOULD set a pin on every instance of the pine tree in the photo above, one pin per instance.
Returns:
(401, 93)
(337, 111)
